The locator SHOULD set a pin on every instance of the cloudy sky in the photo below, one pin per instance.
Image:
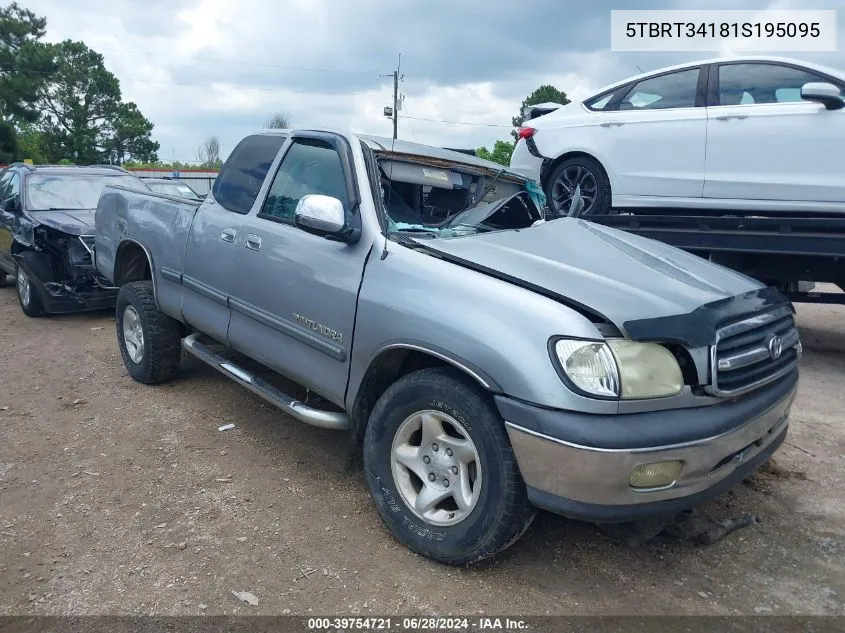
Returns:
(220, 67)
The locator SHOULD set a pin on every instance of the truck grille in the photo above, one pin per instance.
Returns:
(754, 352)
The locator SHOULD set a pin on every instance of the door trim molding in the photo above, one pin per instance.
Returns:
(205, 290)
(289, 328)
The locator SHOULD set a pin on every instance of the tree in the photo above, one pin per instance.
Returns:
(501, 153)
(208, 154)
(278, 121)
(83, 117)
(8, 145)
(32, 143)
(25, 62)
(543, 94)
(79, 104)
(129, 137)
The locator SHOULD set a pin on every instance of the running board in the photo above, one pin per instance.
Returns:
(194, 345)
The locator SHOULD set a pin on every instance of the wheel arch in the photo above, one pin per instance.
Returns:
(133, 262)
(389, 364)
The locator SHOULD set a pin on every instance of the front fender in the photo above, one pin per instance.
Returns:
(495, 331)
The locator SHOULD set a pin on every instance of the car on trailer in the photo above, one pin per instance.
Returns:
(738, 160)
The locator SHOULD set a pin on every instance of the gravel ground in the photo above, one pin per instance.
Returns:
(116, 498)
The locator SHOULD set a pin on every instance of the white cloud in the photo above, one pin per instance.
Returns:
(202, 67)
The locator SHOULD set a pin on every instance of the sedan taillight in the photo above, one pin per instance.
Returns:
(526, 132)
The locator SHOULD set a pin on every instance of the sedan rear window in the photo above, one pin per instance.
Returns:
(72, 191)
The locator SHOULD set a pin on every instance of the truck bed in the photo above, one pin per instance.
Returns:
(127, 218)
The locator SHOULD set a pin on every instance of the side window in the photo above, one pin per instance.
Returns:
(237, 186)
(310, 166)
(675, 90)
(601, 101)
(762, 83)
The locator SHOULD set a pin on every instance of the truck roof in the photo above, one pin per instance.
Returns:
(399, 147)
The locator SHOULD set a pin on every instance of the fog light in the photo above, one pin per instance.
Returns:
(655, 475)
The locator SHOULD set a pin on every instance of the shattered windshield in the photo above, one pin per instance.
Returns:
(455, 200)
(48, 191)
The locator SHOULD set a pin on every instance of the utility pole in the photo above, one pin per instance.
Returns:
(393, 113)
(396, 102)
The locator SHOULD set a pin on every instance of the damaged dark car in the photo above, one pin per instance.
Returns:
(47, 235)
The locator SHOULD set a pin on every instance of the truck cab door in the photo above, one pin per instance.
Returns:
(210, 252)
(293, 305)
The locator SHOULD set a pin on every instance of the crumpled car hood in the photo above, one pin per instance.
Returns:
(74, 221)
(609, 273)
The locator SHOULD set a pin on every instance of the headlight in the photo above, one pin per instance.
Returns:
(620, 368)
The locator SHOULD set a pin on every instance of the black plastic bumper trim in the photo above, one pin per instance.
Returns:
(649, 429)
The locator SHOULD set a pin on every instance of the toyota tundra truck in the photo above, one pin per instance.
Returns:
(484, 362)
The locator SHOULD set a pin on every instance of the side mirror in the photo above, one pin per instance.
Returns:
(321, 213)
(827, 94)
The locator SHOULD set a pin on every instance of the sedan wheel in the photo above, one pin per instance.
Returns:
(24, 288)
(563, 189)
(582, 174)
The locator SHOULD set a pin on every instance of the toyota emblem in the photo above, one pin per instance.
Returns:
(775, 347)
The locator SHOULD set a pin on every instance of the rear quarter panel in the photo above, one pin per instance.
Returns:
(157, 223)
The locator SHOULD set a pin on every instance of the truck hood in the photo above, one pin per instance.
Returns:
(72, 221)
(604, 272)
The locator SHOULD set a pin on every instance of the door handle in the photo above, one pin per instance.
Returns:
(728, 117)
(228, 235)
(253, 242)
(611, 123)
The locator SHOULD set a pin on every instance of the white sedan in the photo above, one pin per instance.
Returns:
(750, 133)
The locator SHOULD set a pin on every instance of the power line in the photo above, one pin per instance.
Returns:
(218, 60)
(194, 85)
(419, 118)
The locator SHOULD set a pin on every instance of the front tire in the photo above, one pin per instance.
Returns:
(580, 171)
(35, 268)
(150, 341)
(441, 470)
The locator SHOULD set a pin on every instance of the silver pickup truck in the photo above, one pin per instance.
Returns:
(484, 361)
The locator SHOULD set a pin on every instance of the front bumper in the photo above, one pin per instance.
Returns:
(65, 303)
(61, 301)
(591, 481)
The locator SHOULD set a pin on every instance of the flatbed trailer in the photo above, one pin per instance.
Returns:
(785, 251)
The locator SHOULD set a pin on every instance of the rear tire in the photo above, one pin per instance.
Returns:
(150, 341)
(428, 434)
(3, 278)
(595, 186)
(36, 268)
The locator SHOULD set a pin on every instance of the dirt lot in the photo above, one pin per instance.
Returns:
(123, 499)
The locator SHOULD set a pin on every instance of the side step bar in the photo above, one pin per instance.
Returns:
(293, 407)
